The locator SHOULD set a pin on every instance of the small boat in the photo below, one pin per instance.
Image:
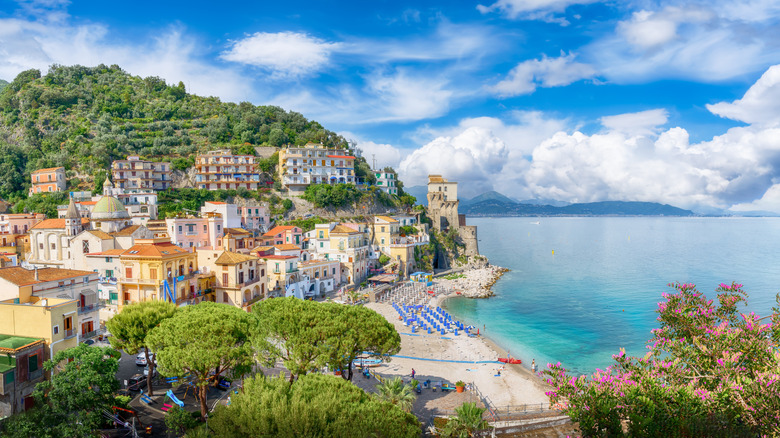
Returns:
(509, 360)
(360, 363)
(535, 223)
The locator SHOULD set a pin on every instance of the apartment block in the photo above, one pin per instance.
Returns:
(314, 163)
(240, 278)
(134, 174)
(47, 180)
(386, 181)
(19, 223)
(221, 169)
(21, 368)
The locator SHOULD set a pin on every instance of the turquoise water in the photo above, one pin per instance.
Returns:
(579, 289)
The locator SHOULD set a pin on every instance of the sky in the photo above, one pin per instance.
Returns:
(675, 102)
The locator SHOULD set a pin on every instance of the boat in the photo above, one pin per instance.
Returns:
(360, 363)
(535, 223)
(510, 360)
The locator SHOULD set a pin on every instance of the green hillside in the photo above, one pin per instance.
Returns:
(83, 118)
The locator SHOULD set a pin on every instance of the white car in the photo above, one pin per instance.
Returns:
(146, 372)
(140, 360)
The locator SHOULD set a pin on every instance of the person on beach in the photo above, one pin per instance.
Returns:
(533, 364)
(413, 372)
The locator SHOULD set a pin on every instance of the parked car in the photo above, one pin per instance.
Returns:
(136, 383)
(146, 371)
(89, 341)
(140, 359)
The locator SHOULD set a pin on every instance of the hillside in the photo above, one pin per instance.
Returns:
(83, 118)
(3, 84)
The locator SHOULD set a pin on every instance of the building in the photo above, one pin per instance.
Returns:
(283, 234)
(21, 369)
(134, 174)
(50, 319)
(318, 277)
(314, 163)
(240, 278)
(140, 204)
(196, 232)
(386, 181)
(19, 223)
(50, 239)
(254, 217)
(282, 271)
(386, 232)
(157, 269)
(443, 212)
(24, 284)
(222, 170)
(350, 247)
(48, 180)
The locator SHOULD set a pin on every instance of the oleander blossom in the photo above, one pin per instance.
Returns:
(709, 370)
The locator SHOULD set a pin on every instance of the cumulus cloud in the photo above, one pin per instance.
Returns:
(282, 53)
(545, 72)
(408, 96)
(642, 123)
(759, 105)
(531, 9)
(384, 154)
(472, 157)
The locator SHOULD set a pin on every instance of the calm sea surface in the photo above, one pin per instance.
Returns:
(579, 289)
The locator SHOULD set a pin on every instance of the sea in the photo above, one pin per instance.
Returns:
(581, 288)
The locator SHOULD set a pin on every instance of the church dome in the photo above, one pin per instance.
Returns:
(108, 207)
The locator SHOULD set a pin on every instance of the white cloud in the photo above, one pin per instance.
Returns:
(545, 72)
(406, 96)
(472, 158)
(698, 41)
(770, 201)
(760, 104)
(282, 53)
(384, 154)
(642, 123)
(531, 9)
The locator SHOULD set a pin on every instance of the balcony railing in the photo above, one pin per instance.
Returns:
(33, 375)
(70, 333)
(90, 308)
(107, 280)
(88, 335)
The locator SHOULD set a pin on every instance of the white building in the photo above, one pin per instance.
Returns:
(386, 181)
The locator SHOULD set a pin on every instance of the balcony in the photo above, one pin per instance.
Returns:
(90, 308)
(34, 375)
(88, 335)
(107, 280)
(70, 333)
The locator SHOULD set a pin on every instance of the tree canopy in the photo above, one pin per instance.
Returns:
(313, 406)
(204, 341)
(132, 325)
(72, 401)
(710, 371)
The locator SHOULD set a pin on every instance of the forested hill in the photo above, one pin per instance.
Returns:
(83, 118)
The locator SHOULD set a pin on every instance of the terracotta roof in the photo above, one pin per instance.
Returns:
(287, 247)
(236, 231)
(342, 229)
(87, 203)
(23, 277)
(55, 223)
(232, 258)
(436, 179)
(387, 219)
(276, 230)
(162, 250)
(126, 231)
(48, 169)
(100, 234)
(215, 202)
(262, 248)
(278, 257)
(108, 253)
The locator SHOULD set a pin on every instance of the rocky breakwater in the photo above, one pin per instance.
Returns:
(474, 283)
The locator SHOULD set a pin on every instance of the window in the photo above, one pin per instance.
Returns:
(128, 272)
(68, 323)
(9, 377)
(40, 246)
(53, 246)
(32, 363)
(205, 228)
(334, 271)
(56, 329)
(153, 273)
(225, 278)
(179, 229)
(61, 284)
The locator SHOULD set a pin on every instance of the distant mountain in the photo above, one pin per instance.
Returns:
(488, 196)
(542, 201)
(606, 208)
(419, 192)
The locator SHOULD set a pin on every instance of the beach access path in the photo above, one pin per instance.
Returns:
(451, 358)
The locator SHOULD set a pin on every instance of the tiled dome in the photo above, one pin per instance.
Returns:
(108, 207)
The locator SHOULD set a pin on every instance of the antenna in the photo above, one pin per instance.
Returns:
(373, 160)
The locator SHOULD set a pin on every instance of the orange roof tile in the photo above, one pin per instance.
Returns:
(23, 277)
(108, 252)
(342, 229)
(162, 250)
(387, 219)
(48, 169)
(278, 229)
(278, 257)
(55, 223)
(287, 247)
(215, 202)
(233, 258)
(236, 231)
(126, 231)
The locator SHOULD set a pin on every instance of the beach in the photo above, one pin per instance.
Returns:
(449, 358)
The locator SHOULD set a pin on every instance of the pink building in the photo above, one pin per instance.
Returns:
(19, 223)
(282, 235)
(196, 232)
(254, 217)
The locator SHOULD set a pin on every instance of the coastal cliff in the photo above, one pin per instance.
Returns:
(474, 283)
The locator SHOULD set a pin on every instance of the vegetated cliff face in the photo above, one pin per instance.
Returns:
(83, 118)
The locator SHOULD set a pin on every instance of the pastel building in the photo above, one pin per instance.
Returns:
(240, 279)
(48, 180)
(19, 223)
(51, 319)
(134, 174)
(283, 234)
(349, 246)
(221, 169)
(50, 239)
(386, 181)
(44, 283)
(314, 163)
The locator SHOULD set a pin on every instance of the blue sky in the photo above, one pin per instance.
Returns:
(576, 100)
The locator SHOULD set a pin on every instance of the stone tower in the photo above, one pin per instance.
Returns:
(72, 220)
(443, 212)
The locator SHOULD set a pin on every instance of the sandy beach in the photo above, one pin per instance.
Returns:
(516, 385)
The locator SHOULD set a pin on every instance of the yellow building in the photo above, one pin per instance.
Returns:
(239, 278)
(51, 319)
(282, 272)
(350, 247)
(156, 269)
(386, 232)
